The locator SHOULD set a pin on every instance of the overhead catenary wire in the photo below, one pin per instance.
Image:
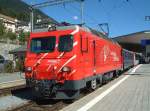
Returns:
(98, 25)
(38, 5)
(52, 3)
(85, 14)
(137, 14)
(91, 18)
(116, 6)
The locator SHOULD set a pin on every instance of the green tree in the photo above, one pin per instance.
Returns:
(2, 30)
(23, 37)
(27, 34)
(12, 36)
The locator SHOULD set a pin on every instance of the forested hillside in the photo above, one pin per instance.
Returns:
(17, 9)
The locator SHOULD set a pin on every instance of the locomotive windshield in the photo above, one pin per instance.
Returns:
(45, 44)
(65, 43)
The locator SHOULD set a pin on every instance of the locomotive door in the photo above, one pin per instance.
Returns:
(94, 56)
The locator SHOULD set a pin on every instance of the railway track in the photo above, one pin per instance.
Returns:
(49, 105)
(44, 105)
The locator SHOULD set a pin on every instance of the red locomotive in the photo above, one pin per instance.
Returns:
(62, 61)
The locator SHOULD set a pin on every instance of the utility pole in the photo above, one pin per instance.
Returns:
(31, 18)
(52, 3)
(82, 9)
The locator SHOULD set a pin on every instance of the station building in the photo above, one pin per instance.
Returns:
(137, 42)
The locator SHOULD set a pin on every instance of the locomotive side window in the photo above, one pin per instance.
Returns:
(65, 43)
(46, 44)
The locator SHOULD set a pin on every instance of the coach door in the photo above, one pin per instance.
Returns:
(94, 56)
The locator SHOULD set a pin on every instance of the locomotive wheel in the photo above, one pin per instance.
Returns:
(116, 74)
(93, 84)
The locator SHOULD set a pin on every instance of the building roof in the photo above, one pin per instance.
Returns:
(133, 41)
(7, 17)
(133, 38)
(21, 49)
(13, 20)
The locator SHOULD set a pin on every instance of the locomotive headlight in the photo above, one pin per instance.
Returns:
(28, 69)
(66, 69)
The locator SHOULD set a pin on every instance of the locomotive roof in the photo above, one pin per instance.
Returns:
(73, 27)
(88, 29)
(100, 34)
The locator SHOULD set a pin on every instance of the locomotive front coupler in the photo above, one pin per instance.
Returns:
(47, 86)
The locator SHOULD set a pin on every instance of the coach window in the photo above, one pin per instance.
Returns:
(44, 44)
(65, 43)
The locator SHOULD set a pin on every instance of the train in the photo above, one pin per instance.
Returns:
(60, 61)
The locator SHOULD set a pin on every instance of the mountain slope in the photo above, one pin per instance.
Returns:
(18, 9)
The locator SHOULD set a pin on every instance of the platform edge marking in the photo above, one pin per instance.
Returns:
(101, 96)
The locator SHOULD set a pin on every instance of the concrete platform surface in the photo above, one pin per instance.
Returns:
(11, 80)
(8, 103)
(129, 92)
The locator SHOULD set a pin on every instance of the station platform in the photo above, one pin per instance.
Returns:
(129, 92)
(11, 80)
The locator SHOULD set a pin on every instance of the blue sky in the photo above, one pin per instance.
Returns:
(123, 17)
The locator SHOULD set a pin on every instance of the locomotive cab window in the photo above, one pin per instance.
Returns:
(44, 44)
(65, 43)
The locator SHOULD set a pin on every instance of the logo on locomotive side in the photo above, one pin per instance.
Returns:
(114, 56)
(106, 52)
